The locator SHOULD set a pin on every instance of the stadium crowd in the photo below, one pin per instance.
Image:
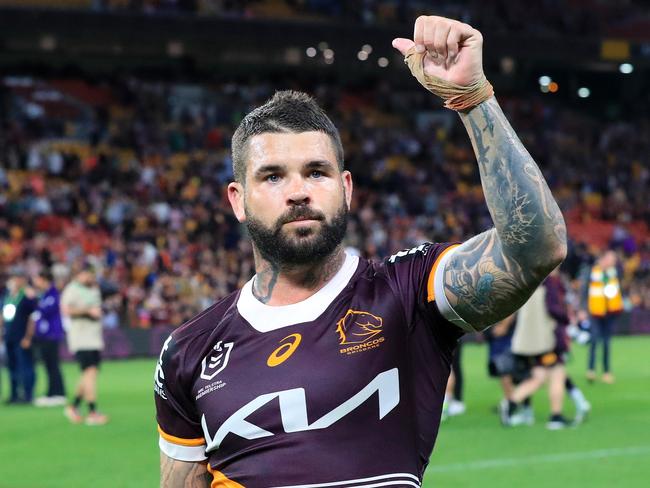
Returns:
(131, 175)
(552, 18)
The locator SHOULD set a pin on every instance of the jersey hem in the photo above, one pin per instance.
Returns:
(182, 453)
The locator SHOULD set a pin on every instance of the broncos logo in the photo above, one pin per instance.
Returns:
(358, 327)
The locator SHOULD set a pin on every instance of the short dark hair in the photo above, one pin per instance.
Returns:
(46, 274)
(286, 111)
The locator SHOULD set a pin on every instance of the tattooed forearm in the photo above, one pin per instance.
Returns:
(181, 474)
(520, 202)
(493, 274)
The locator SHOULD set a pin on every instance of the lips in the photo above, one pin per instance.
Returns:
(303, 217)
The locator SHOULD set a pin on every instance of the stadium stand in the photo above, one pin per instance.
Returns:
(134, 172)
(132, 169)
(574, 17)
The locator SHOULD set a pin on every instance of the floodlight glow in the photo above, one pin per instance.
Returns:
(9, 312)
(584, 92)
(626, 68)
(544, 80)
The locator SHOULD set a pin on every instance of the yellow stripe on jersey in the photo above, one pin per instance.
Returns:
(179, 440)
(431, 294)
(220, 480)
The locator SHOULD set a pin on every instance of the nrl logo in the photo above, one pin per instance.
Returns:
(215, 363)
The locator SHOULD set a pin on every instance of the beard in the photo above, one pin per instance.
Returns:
(307, 246)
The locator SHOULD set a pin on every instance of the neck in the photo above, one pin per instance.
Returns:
(278, 284)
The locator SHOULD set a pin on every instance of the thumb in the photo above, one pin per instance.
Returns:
(403, 45)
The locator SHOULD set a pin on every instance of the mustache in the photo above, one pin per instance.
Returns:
(296, 213)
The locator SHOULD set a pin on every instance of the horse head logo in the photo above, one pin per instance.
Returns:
(358, 327)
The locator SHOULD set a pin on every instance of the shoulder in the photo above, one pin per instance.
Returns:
(69, 289)
(417, 262)
(209, 318)
(190, 336)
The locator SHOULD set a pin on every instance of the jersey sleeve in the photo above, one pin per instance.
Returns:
(180, 432)
(417, 277)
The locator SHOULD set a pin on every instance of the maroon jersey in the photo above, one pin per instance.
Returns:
(345, 387)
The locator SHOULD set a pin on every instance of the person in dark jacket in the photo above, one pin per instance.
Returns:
(18, 302)
(48, 334)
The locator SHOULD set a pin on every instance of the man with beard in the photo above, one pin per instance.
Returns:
(326, 369)
(81, 305)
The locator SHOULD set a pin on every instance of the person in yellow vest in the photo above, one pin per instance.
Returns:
(602, 303)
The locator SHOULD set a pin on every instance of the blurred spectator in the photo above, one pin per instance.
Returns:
(602, 299)
(18, 302)
(81, 305)
(537, 348)
(500, 358)
(48, 334)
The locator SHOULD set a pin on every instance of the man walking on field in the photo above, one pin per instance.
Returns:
(81, 303)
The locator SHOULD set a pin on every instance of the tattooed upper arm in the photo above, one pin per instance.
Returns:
(183, 474)
(482, 284)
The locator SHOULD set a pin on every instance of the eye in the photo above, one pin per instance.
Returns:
(272, 178)
(316, 174)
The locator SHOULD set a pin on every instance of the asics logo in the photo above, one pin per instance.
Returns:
(284, 352)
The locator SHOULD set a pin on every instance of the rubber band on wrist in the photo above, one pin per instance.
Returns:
(457, 97)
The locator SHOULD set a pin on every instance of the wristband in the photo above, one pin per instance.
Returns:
(456, 97)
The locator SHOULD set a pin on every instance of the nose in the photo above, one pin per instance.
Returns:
(298, 193)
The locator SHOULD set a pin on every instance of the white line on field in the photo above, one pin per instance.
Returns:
(544, 458)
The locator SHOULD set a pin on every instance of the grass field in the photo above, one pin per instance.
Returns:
(40, 449)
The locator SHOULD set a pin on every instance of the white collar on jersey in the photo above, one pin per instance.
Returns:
(265, 318)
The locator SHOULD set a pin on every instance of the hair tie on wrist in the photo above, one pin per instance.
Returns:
(456, 97)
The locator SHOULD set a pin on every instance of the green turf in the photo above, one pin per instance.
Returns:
(40, 449)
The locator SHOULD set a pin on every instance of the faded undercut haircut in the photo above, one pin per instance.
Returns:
(287, 111)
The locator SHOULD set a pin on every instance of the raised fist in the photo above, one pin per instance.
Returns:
(454, 51)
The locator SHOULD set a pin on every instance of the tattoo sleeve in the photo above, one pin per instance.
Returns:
(182, 474)
(493, 274)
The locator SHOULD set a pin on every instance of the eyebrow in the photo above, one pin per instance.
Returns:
(275, 168)
(268, 168)
(319, 163)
